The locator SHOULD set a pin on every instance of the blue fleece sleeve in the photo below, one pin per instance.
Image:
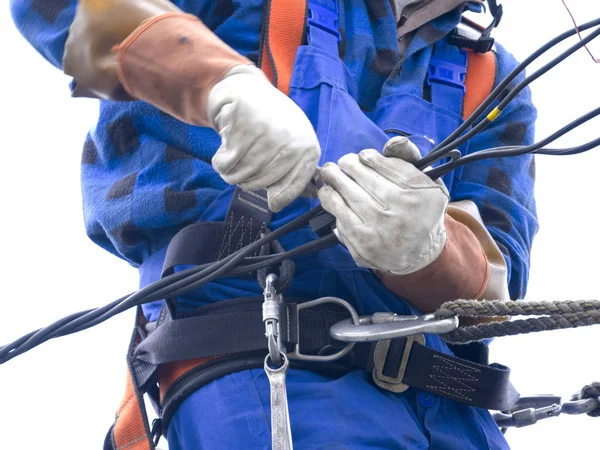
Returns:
(503, 188)
(45, 24)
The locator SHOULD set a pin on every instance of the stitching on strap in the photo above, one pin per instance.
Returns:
(129, 444)
(449, 365)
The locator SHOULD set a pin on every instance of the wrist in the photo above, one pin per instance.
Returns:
(460, 271)
(228, 88)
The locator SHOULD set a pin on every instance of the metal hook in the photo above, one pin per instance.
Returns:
(382, 326)
(271, 316)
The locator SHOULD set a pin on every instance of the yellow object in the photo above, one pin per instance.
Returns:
(492, 115)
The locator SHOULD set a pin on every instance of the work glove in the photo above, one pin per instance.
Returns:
(389, 214)
(267, 140)
(173, 61)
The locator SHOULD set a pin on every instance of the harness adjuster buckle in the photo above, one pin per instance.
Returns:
(448, 73)
(324, 19)
(380, 356)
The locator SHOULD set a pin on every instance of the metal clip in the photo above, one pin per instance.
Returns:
(582, 406)
(529, 410)
(271, 312)
(297, 353)
(382, 326)
(525, 417)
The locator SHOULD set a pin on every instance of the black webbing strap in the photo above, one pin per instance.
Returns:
(484, 41)
(481, 385)
(247, 217)
(234, 328)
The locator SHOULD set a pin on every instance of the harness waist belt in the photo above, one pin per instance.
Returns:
(229, 335)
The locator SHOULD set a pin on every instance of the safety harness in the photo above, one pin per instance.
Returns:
(181, 352)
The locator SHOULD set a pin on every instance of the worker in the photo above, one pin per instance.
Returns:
(199, 96)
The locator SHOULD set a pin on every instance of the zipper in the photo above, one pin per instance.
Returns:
(393, 130)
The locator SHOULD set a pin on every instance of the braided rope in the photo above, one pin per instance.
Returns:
(554, 315)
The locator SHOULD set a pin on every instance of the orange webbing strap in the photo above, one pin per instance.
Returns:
(131, 430)
(284, 25)
(479, 81)
(170, 372)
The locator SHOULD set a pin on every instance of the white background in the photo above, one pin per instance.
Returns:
(64, 393)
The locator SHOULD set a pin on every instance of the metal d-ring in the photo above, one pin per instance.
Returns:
(297, 353)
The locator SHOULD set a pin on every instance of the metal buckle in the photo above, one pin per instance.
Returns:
(297, 353)
(322, 26)
(393, 384)
(324, 18)
(381, 326)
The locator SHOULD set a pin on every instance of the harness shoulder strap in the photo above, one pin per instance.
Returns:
(479, 81)
(130, 430)
(459, 79)
(283, 32)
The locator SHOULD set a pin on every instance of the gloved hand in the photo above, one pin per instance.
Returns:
(267, 140)
(176, 63)
(389, 214)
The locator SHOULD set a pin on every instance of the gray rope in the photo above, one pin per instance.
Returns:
(555, 315)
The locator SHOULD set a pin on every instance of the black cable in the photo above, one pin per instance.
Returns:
(172, 286)
(541, 71)
(425, 161)
(499, 152)
(198, 277)
(435, 154)
(36, 337)
(319, 244)
(229, 269)
(498, 90)
(189, 279)
(570, 151)
(421, 164)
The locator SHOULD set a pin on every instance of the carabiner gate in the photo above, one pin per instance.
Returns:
(382, 326)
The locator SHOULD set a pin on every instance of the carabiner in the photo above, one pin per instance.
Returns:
(271, 317)
(526, 417)
(382, 326)
(529, 410)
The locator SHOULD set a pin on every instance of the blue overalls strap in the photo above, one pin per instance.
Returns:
(446, 76)
(322, 25)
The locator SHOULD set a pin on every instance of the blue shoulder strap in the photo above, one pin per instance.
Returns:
(322, 25)
(446, 76)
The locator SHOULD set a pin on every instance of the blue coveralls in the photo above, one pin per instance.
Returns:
(348, 412)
